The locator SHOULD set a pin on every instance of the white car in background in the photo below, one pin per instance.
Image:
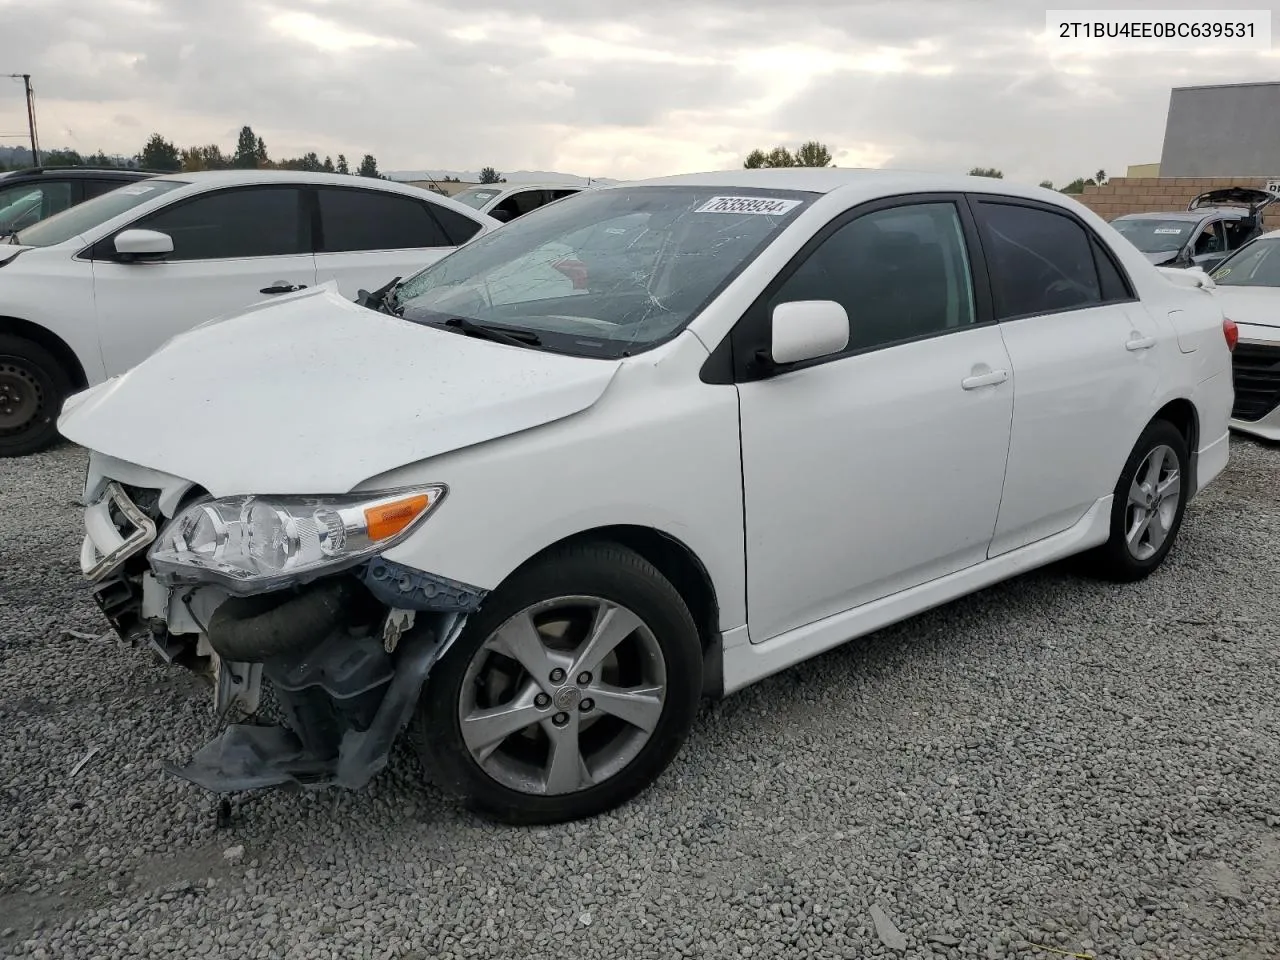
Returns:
(506, 201)
(539, 520)
(1248, 285)
(89, 292)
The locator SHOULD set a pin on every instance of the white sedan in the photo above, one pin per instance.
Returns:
(506, 201)
(538, 519)
(86, 294)
(1248, 285)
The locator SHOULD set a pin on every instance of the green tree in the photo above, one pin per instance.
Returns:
(1100, 177)
(986, 172)
(160, 154)
(368, 166)
(100, 159)
(207, 157)
(246, 155)
(62, 158)
(328, 165)
(1047, 184)
(342, 164)
(308, 161)
(812, 154)
(489, 175)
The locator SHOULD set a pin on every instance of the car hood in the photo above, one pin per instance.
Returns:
(9, 250)
(1256, 306)
(315, 394)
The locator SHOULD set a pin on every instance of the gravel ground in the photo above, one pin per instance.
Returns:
(1053, 762)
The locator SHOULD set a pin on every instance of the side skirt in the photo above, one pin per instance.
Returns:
(745, 663)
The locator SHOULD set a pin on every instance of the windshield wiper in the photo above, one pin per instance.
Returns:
(521, 339)
(384, 299)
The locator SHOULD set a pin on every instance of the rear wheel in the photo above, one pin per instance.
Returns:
(33, 386)
(569, 691)
(1147, 509)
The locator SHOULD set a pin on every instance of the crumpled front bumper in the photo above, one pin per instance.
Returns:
(346, 655)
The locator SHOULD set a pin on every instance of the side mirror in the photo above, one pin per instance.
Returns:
(502, 216)
(143, 244)
(807, 329)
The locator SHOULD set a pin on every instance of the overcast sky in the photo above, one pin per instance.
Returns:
(599, 87)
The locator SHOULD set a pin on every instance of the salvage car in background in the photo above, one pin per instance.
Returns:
(1248, 284)
(88, 293)
(1215, 224)
(506, 201)
(538, 524)
(37, 193)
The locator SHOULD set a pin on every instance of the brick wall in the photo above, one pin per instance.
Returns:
(1123, 195)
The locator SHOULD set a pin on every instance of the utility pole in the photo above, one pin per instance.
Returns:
(31, 116)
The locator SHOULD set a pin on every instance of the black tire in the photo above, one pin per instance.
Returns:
(1114, 561)
(32, 375)
(604, 570)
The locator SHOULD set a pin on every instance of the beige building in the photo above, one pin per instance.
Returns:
(1124, 195)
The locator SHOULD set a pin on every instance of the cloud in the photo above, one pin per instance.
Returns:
(597, 88)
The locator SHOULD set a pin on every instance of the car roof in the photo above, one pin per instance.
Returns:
(207, 179)
(74, 173)
(528, 185)
(871, 182)
(1192, 216)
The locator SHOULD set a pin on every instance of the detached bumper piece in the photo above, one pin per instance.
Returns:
(345, 698)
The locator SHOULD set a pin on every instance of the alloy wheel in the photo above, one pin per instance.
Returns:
(562, 696)
(1154, 496)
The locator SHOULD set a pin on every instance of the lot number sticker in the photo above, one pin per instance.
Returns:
(766, 206)
(1167, 230)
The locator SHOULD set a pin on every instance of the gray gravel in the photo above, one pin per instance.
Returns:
(1056, 762)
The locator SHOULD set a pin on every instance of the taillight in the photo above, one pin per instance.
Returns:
(1231, 332)
(575, 270)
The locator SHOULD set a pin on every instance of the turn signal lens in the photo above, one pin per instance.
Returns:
(387, 519)
(1231, 332)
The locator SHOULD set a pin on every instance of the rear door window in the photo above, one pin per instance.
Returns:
(353, 219)
(1040, 261)
(459, 227)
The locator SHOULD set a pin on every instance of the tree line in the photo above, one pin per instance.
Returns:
(1075, 186)
(250, 153)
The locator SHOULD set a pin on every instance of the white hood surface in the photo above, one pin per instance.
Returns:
(315, 394)
(9, 250)
(1256, 306)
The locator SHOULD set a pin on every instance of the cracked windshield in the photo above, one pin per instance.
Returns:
(609, 272)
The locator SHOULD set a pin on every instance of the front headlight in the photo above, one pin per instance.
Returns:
(250, 544)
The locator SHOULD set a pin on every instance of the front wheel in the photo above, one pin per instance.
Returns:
(568, 692)
(1146, 511)
(33, 386)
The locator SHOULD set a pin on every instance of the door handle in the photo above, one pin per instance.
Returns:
(984, 379)
(281, 287)
(1140, 343)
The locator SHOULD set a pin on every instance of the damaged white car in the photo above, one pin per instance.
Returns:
(652, 442)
